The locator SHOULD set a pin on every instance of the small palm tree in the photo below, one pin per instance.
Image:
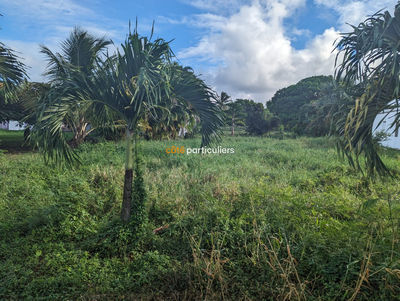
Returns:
(223, 100)
(236, 115)
(68, 72)
(125, 87)
(369, 55)
(136, 81)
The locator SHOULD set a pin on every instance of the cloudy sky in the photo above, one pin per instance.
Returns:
(246, 48)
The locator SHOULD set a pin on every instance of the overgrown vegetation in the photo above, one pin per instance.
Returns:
(311, 106)
(279, 219)
(256, 119)
(369, 55)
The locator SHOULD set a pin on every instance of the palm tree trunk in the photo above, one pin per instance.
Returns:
(233, 127)
(127, 197)
(80, 133)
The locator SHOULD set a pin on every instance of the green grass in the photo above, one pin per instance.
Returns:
(12, 141)
(278, 219)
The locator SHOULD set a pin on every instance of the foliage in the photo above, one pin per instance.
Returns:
(368, 54)
(309, 107)
(12, 73)
(223, 101)
(69, 71)
(183, 110)
(125, 89)
(235, 114)
(278, 219)
(23, 102)
(259, 120)
(249, 114)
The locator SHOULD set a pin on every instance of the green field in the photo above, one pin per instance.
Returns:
(12, 141)
(277, 220)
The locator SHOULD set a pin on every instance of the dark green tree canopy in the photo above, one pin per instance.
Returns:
(298, 105)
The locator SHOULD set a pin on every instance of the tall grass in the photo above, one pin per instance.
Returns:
(279, 219)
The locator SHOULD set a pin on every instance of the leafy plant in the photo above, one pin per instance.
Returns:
(369, 54)
(121, 90)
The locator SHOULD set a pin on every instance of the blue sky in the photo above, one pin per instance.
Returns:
(246, 48)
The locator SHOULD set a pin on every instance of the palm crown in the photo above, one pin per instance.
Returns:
(369, 56)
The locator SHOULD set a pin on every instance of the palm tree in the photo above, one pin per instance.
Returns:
(236, 115)
(137, 81)
(369, 56)
(68, 73)
(128, 85)
(223, 100)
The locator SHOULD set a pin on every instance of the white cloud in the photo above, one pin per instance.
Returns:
(255, 52)
(251, 49)
(353, 12)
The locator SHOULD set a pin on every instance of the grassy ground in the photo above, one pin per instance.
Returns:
(279, 219)
(13, 141)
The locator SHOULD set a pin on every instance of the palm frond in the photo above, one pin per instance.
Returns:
(12, 72)
(187, 87)
(369, 55)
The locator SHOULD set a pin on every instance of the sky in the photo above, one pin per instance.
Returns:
(249, 49)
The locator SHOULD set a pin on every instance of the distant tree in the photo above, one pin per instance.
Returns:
(235, 114)
(223, 100)
(297, 106)
(256, 123)
(259, 120)
(252, 115)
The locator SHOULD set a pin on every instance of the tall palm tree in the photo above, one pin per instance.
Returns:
(369, 55)
(129, 84)
(68, 72)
